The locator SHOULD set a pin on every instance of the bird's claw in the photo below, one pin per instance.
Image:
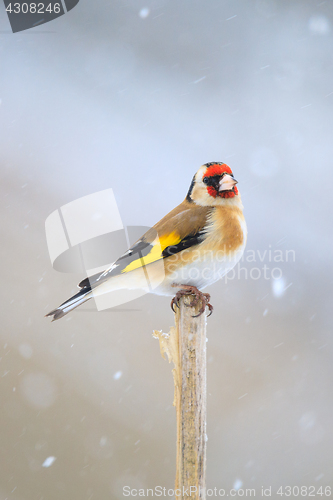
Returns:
(211, 309)
(192, 290)
(174, 302)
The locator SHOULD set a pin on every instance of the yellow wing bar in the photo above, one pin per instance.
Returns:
(159, 244)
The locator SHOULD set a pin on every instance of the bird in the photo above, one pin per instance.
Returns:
(193, 246)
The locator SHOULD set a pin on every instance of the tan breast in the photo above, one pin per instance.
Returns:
(226, 237)
(228, 231)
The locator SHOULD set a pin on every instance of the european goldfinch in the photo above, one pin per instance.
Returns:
(193, 246)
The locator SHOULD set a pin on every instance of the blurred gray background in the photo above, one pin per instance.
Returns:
(136, 96)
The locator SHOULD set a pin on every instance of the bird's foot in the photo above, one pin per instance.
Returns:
(198, 296)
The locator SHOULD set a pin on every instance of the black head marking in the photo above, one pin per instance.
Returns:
(214, 163)
(212, 181)
(188, 196)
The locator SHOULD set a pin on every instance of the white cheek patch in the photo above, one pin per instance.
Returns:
(200, 174)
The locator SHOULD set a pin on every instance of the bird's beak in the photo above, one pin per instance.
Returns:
(227, 182)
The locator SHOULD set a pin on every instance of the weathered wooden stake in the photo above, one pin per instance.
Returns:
(185, 346)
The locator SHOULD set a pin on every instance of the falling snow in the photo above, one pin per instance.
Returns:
(319, 25)
(49, 461)
(117, 375)
(144, 12)
(279, 287)
(237, 484)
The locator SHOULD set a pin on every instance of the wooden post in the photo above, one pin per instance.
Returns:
(185, 345)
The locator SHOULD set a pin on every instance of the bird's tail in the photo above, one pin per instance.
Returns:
(70, 304)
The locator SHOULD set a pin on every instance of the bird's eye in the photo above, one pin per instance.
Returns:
(205, 180)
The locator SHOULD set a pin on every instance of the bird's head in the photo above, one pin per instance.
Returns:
(212, 185)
